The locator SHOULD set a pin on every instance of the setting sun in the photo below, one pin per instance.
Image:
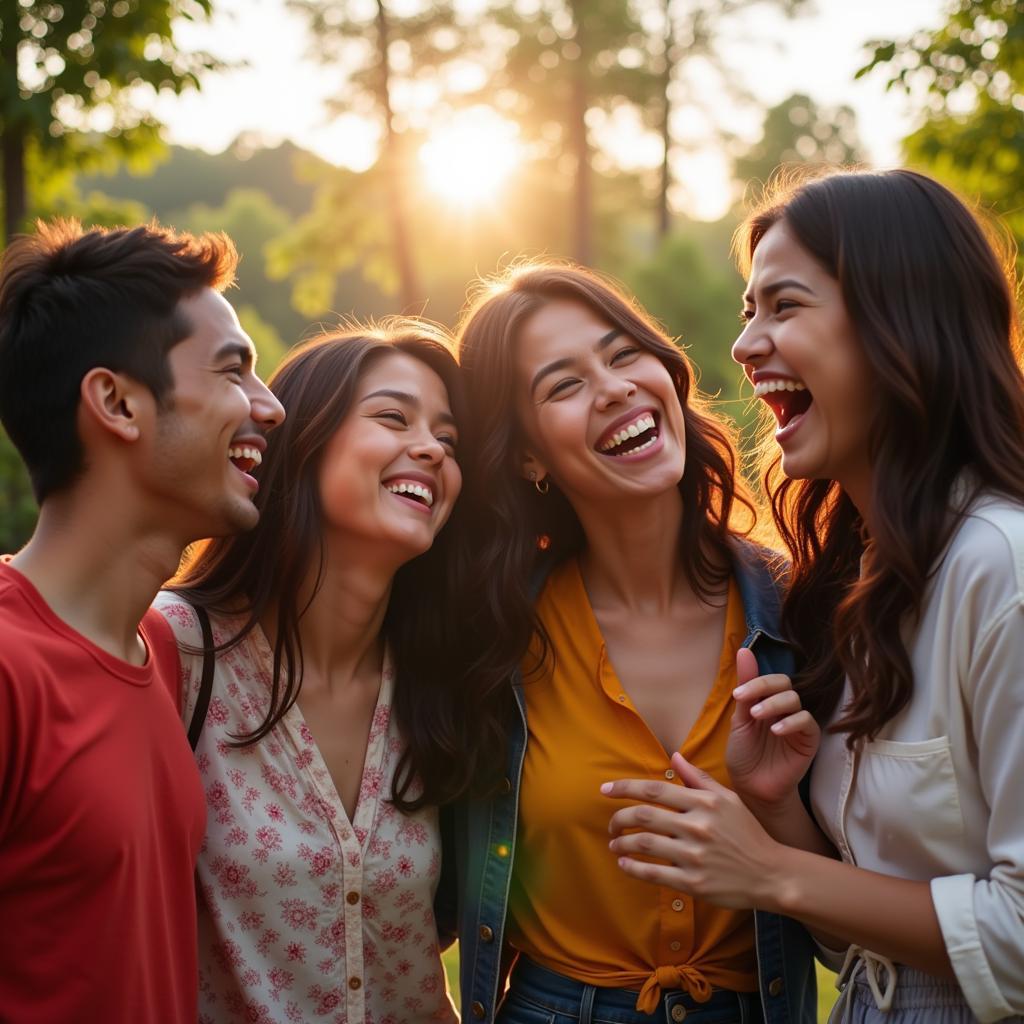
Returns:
(467, 160)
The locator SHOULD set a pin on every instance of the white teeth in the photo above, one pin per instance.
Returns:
(638, 448)
(634, 429)
(246, 453)
(417, 489)
(766, 387)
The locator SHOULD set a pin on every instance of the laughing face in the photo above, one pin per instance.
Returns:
(210, 435)
(800, 351)
(389, 475)
(600, 412)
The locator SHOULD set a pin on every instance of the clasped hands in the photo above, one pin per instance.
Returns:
(708, 840)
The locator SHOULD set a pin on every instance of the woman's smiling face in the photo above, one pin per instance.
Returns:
(801, 352)
(599, 412)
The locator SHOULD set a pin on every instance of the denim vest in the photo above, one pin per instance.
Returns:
(480, 842)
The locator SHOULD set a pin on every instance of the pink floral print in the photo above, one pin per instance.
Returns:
(305, 916)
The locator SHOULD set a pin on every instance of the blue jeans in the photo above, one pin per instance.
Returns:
(539, 996)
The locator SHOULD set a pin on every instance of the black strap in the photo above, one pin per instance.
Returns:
(195, 727)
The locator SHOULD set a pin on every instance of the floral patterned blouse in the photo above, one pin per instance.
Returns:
(305, 916)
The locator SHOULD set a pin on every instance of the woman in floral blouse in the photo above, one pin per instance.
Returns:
(331, 733)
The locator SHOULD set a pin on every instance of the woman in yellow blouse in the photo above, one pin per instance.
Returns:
(616, 592)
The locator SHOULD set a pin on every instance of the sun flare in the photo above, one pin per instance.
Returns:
(468, 160)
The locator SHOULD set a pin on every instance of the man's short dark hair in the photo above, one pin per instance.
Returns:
(72, 300)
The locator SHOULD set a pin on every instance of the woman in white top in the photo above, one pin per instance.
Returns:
(331, 730)
(881, 333)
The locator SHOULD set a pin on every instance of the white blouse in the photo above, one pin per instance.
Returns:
(304, 915)
(937, 796)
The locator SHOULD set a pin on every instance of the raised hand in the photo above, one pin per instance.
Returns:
(773, 739)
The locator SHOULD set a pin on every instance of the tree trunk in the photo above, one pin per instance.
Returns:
(583, 201)
(394, 171)
(664, 217)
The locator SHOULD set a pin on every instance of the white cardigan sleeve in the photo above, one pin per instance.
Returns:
(982, 919)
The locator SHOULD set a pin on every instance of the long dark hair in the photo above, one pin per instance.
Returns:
(266, 568)
(509, 516)
(932, 304)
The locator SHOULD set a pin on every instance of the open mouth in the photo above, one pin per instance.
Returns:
(786, 398)
(244, 458)
(635, 436)
(419, 493)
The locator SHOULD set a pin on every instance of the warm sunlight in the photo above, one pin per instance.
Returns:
(468, 159)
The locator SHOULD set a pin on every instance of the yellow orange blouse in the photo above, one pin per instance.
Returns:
(572, 909)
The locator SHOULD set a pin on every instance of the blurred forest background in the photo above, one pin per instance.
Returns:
(321, 242)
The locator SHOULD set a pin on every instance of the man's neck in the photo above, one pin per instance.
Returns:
(97, 571)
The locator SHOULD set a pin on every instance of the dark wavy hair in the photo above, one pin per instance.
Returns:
(509, 515)
(254, 572)
(932, 302)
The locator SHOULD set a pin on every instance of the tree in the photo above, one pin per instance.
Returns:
(387, 51)
(684, 34)
(971, 72)
(72, 79)
(560, 62)
(797, 130)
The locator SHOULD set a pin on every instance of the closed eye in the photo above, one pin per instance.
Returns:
(563, 386)
(624, 355)
(449, 441)
(746, 315)
(392, 414)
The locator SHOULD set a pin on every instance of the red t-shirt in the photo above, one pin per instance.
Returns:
(101, 818)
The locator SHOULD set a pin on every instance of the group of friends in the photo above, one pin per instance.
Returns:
(486, 637)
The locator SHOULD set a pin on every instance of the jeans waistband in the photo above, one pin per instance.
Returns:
(590, 1004)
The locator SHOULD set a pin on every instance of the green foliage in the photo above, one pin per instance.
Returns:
(67, 68)
(697, 301)
(252, 221)
(17, 506)
(971, 71)
(798, 131)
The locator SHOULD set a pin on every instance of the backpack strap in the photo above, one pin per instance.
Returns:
(195, 727)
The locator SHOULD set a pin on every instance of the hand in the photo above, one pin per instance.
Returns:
(714, 847)
(773, 739)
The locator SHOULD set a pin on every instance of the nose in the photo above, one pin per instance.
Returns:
(427, 448)
(613, 389)
(752, 344)
(267, 411)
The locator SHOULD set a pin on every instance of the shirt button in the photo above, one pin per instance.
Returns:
(669, 774)
(352, 897)
(354, 983)
(622, 698)
(675, 946)
(478, 1011)
(678, 904)
(506, 786)
(678, 1013)
(774, 986)
(486, 933)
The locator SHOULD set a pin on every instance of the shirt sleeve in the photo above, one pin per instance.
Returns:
(184, 623)
(982, 919)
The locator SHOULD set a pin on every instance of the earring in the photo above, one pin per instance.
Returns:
(543, 485)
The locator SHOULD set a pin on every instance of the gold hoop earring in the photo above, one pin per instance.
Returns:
(543, 485)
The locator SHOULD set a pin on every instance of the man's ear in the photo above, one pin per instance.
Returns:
(113, 402)
(532, 468)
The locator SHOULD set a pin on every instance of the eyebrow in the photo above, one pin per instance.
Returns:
(560, 364)
(406, 398)
(771, 289)
(235, 348)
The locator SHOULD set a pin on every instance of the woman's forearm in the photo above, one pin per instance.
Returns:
(790, 824)
(894, 917)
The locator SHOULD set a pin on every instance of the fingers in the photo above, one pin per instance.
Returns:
(647, 844)
(695, 778)
(746, 666)
(657, 874)
(646, 818)
(651, 791)
(800, 726)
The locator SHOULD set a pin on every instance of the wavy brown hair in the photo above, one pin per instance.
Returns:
(933, 306)
(263, 572)
(509, 515)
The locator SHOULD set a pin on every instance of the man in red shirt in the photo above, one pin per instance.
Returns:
(128, 387)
